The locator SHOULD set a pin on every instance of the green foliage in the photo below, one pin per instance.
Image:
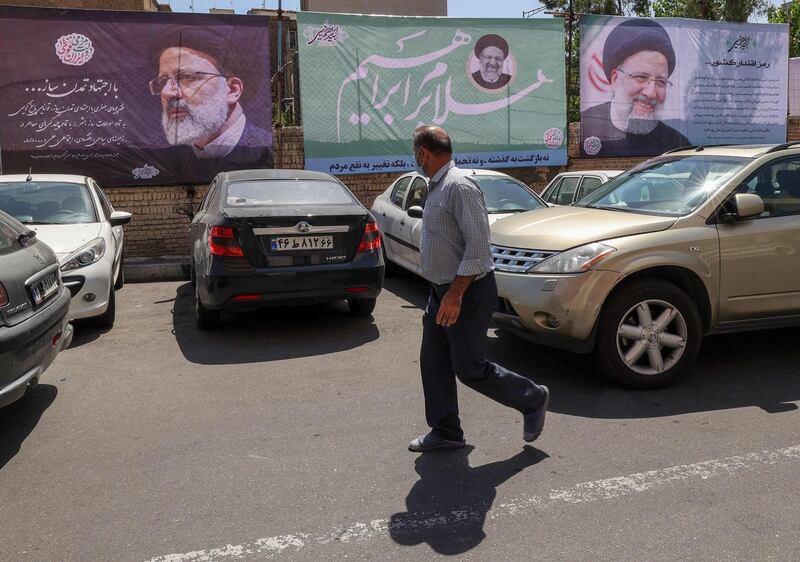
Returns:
(790, 15)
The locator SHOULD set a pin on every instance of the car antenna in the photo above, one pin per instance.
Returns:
(30, 169)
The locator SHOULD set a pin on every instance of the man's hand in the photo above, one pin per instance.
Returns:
(449, 309)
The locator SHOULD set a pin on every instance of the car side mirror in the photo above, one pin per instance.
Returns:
(745, 206)
(186, 209)
(118, 218)
(415, 212)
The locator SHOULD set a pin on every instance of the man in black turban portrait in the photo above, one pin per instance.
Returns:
(638, 60)
(199, 83)
(492, 52)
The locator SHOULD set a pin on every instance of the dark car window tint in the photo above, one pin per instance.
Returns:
(399, 191)
(778, 184)
(207, 198)
(552, 192)
(506, 195)
(260, 193)
(105, 204)
(9, 238)
(418, 194)
(588, 185)
(47, 202)
(567, 191)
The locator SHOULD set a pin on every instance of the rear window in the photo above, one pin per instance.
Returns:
(9, 238)
(47, 202)
(260, 193)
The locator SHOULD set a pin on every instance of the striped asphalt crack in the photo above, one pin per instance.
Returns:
(584, 492)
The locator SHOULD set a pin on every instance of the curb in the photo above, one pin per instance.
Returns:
(152, 270)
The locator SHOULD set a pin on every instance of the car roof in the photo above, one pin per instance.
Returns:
(741, 150)
(274, 174)
(66, 178)
(610, 173)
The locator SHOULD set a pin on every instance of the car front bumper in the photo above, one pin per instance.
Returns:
(90, 287)
(360, 279)
(32, 347)
(555, 310)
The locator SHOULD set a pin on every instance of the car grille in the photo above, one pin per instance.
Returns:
(517, 260)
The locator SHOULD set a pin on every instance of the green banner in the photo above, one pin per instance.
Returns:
(496, 85)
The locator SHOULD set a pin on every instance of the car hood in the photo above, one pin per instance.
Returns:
(561, 228)
(66, 238)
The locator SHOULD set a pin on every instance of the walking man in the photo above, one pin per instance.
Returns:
(457, 260)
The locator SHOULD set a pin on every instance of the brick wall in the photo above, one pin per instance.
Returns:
(156, 230)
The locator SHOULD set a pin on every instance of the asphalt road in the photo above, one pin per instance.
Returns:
(283, 436)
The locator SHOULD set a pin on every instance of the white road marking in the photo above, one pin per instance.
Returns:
(607, 488)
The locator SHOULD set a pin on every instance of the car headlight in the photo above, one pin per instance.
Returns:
(85, 255)
(576, 260)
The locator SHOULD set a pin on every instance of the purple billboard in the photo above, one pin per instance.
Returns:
(133, 98)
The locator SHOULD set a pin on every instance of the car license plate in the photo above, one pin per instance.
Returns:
(44, 288)
(297, 243)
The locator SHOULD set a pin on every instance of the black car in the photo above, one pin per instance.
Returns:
(263, 237)
(33, 309)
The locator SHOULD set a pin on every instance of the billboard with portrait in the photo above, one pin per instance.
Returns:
(650, 85)
(497, 86)
(133, 98)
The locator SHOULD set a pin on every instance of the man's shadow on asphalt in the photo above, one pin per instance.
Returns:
(447, 506)
(19, 419)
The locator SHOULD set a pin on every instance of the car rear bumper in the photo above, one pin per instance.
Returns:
(555, 310)
(29, 348)
(360, 279)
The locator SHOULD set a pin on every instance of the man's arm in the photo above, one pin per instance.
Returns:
(469, 210)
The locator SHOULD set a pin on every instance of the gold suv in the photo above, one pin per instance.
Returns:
(697, 241)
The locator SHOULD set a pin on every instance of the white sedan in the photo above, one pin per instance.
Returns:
(73, 216)
(398, 209)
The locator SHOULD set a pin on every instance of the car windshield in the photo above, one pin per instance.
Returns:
(507, 195)
(47, 202)
(260, 193)
(670, 186)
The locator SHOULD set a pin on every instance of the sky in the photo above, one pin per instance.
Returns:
(455, 8)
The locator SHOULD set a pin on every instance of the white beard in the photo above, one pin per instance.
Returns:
(201, 122)
(491, 75)
(626, 116)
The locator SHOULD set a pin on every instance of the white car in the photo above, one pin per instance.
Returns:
(398, 211)
(568, 187)
(73, 216)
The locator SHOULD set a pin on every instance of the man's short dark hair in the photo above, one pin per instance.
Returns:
(434, 139)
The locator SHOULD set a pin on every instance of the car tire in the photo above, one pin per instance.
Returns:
(106, 320)
(121, 277)
(362, 307)
(391, 269)
(206, 319)
(663, 330)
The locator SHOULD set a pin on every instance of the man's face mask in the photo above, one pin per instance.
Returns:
(420, 163)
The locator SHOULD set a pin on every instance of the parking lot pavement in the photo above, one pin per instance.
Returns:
(283, 435)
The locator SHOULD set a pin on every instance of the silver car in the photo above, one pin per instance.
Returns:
(398, 211)
(568, 187)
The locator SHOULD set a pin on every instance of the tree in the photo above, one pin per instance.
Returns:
(790, 15)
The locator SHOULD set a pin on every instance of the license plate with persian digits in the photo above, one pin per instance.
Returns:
(44, 288)
(299, 243)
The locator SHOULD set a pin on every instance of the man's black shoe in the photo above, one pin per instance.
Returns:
(534, 423)
(431, 442)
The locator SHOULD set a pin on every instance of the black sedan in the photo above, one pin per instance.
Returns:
(263, 237)
(33, 309)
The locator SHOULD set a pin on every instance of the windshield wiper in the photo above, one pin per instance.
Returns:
(503, 211)
(37, 222)
(611, 208)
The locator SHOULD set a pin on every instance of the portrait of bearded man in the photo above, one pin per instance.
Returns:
(638, 60)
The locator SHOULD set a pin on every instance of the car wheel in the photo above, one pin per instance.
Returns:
(206, 319)
(362, 307)
(121, 277)
(648, 334)
(391, 269)
(106, 320)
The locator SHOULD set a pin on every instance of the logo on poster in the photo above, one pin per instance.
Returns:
(742, 43)
(74, 49)
(146, 172)
(326, 36)
(553, 137)
(592, 146)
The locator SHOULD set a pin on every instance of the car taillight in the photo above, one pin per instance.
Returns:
(3, 295)
(222, 242)
(371, 239)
